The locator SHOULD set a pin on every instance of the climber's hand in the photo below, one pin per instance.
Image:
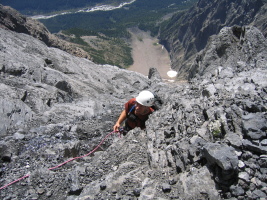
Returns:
(116, 127)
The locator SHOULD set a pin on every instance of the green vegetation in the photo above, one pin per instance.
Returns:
(103, 49)
(110, 27)
(143, 13)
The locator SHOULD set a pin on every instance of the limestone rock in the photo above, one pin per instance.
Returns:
(55, 106)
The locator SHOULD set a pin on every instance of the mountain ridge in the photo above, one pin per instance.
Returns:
(184, 38)
(14, 21)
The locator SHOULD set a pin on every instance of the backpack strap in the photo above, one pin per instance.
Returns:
(132, 108)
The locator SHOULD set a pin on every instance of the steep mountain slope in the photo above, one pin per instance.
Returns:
(188, 33)
(109, 28)
(28, 64)
(260, 20)
(207, 141)
(11, 19)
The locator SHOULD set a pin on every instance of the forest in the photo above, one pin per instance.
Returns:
(143, 13)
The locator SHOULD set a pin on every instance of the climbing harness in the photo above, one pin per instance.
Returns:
(26, 176)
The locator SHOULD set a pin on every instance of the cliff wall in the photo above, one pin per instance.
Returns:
(188, 33)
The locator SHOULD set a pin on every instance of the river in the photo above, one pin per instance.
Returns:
(96, 8)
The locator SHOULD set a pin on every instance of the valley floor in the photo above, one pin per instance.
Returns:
(147, 53)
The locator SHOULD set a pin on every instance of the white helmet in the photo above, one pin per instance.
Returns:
(145, 98)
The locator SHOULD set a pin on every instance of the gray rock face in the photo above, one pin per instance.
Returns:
(206, 140)
(260, 20)
(222, 155)
(223, 51)
(31, 85)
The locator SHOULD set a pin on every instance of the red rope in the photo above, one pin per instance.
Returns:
(26, 176)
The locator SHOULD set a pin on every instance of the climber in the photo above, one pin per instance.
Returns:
(135, 113)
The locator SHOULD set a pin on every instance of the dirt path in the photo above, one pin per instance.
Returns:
(148, 53)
